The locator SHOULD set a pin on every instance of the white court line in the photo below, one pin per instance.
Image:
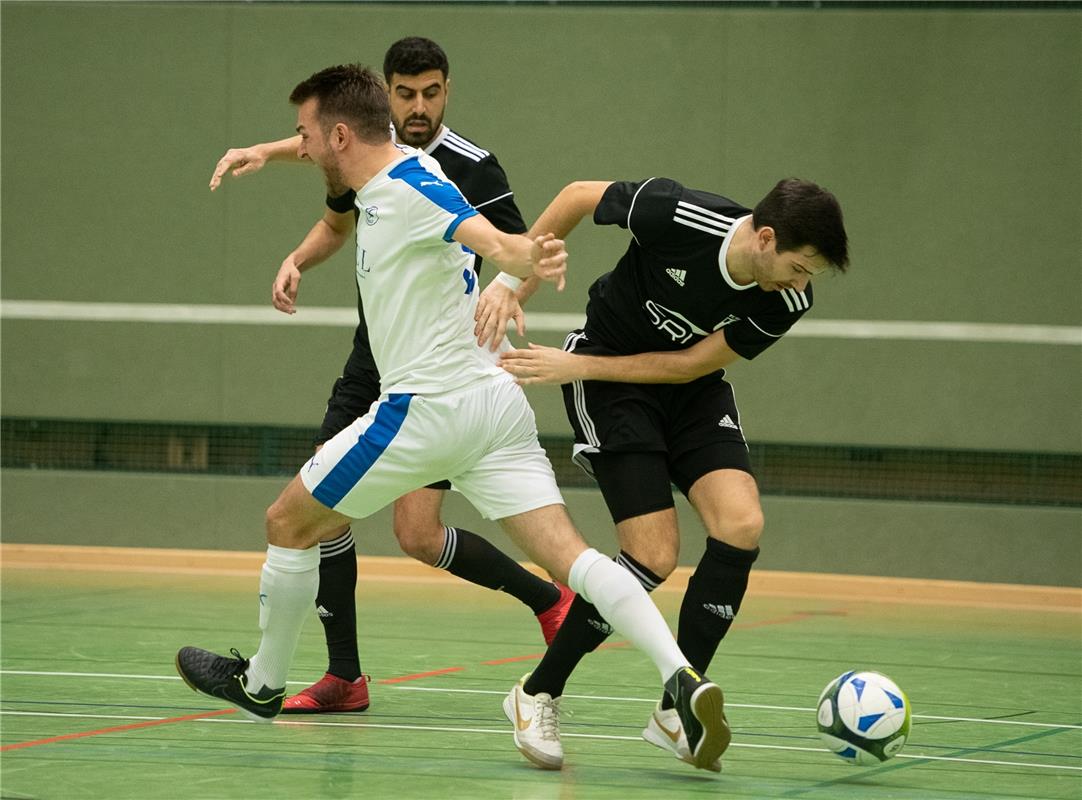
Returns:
(537, 321)
(756, 706)
(503, 732)
(449, 690)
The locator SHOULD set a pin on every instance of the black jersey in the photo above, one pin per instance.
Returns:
(672, 288)
(482, 182)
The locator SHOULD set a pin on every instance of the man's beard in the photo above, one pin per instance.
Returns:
(419, 139)
(336, 184)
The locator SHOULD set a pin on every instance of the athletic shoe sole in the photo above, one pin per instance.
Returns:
(708, 706)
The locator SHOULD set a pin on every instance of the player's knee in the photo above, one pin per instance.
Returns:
(279, 531)
(423, 542)
(744, 529)
(660, 560)
(283, 529)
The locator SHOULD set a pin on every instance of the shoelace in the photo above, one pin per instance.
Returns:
(235, 667)
(548, 718)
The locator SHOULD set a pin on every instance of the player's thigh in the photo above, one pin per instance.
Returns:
(398, 446)
(417, 525)
(727, 501)
(548, 537)
(513, 475)
(299, 521)
(633, 484)
(418, 509)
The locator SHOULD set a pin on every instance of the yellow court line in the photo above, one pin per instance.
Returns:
(771, 583)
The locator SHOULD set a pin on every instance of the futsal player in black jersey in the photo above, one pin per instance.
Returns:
(416, 70)
(704, 281)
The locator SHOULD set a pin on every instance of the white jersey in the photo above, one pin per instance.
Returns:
(418, 285)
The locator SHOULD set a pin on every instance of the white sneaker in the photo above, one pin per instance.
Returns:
(537, 725)
(664, 730)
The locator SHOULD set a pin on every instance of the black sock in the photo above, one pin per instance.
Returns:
(711, 601)
(336, 605)
(477, 560)
(583, 631)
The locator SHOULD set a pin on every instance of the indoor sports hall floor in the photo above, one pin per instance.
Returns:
(92, 707)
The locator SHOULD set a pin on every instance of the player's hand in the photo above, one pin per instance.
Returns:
(496, 306)
(549, 259)
(541, 364)
(286, 285)
(242, 160)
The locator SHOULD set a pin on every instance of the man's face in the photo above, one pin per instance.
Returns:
(417, 106)
(788, 269)
(316, 147)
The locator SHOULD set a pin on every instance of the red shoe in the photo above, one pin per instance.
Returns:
(329, 694)
(553, 617)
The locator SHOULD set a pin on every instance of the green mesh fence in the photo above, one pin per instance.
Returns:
(894, 473)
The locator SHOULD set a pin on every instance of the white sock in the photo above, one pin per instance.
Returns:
(287, 590)
(627, 607)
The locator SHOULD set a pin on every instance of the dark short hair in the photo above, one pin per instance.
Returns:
(350, 93)
(802, 214)
(414, 55)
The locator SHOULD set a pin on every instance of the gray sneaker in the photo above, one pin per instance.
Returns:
(223, 677)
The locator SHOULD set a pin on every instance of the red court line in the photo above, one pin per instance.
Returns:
(119, 729)
(419, 675)
(800, 615)
(539, 656)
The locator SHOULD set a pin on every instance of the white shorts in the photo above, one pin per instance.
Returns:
(482, 437)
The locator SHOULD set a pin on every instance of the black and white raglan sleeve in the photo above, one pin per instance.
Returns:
(644, 208)
(487, 189)
(765, 325)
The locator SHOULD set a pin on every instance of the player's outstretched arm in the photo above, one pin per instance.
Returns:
(552, 365)
(246, 160)
(567, 209)
(324, 240)
(518, 256)
(495, 307)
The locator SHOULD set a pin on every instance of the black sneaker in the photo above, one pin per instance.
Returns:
(223, 677)
(701, 707)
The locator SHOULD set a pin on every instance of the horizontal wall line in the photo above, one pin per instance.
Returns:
(772, 583)
(537, 321)
(875, 473)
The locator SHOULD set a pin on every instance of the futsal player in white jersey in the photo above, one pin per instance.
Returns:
(446, 410)
(417, 72)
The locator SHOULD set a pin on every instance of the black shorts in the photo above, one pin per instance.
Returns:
(632, 436)
(351, 397)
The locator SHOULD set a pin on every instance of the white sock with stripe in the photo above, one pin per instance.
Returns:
(627, 607)
(287, 590)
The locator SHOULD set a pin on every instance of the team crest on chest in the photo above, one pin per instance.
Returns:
(371, 215)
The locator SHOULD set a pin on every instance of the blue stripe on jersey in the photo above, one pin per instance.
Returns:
(443, 193)
(346, 473)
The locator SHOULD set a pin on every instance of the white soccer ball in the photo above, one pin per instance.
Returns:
(863, 717)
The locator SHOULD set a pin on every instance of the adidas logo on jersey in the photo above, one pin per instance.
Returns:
(727, 422)
(323, 613)
(601, 626)
(725, 612)
(677, 275)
